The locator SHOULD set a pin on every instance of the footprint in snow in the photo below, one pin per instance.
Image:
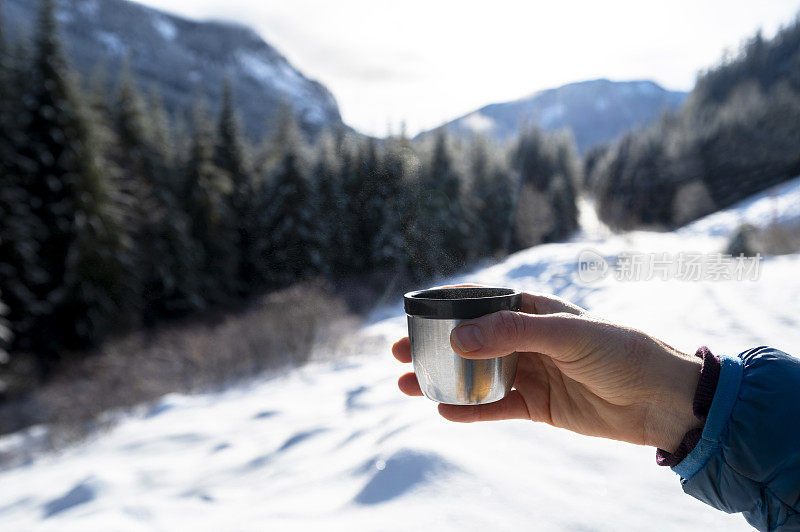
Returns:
(220, 447)
(261, 461)
(159, 409)
(401, 472)
(299, 438)
(83, 492)
(351, 402)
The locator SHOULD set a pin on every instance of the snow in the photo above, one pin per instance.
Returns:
(551, 114)
(112, 42)
(647, 87)
(281, 76)
(313, 114)
(64, 17)
(166, 28)
(335, 446)
(89, 8)
(478, 122)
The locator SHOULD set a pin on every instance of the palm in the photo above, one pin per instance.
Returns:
(553, 397)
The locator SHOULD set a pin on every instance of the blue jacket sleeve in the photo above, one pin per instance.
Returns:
(748, 458)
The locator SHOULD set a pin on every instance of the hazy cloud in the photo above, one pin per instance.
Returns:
(424, 61)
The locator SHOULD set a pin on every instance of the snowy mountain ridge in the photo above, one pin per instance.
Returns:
(594, 111)
(182, 59)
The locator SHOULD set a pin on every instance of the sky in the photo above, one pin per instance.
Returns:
(424, 62)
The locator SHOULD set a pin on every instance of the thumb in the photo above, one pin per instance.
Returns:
(504, 332)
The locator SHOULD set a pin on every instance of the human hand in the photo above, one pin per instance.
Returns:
(577, 372)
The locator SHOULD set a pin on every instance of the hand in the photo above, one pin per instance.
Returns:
(577, 372)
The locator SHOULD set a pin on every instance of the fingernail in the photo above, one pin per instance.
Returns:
(468, 338)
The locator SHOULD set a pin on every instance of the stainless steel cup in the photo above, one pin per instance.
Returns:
(444, 376)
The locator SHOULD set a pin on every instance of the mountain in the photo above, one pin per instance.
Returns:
(596, 111)
(738, 134)
(181, 58)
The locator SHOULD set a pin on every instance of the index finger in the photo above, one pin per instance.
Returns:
(504, 332)
(536, 303)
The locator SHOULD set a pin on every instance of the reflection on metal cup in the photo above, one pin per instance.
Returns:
(444, 376)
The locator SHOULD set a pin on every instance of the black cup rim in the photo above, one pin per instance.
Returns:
(461, 303)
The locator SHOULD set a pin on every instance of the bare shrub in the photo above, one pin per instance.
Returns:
(692, 200)
(781, 238)
(777, 238)
(279, 330)
(742, 241)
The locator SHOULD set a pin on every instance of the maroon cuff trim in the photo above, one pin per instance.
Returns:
(703, 395)
(689, 441)
(707, 385)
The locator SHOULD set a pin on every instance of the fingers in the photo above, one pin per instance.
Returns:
(548, 304)
(504, 332)
(409, 384)
(402, 350)
(512, 406)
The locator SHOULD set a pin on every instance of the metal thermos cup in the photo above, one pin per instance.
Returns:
(444, 376)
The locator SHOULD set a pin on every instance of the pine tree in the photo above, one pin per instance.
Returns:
(289, 217)
(332, 207)
(371, 202)
(182, 142)
(81, 252)
(206, 189)
(157, 225)
(422, 243)
(20, 230)
(229, 156)
(351, 257)
(535, 158)
(160, 134)
(98, 105)
(562, 189)
(5, 334)
(442, 209)
(490, 198)
(389, 245)
(544, 207)
(360, 181)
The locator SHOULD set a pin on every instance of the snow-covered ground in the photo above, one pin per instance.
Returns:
(335, 446)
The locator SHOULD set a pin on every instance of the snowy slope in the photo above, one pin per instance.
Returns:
(335, 446)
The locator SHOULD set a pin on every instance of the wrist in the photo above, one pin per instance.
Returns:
(670, 409)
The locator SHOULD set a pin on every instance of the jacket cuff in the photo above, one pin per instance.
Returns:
(707, 385)
(730, 379)
(703, 396)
